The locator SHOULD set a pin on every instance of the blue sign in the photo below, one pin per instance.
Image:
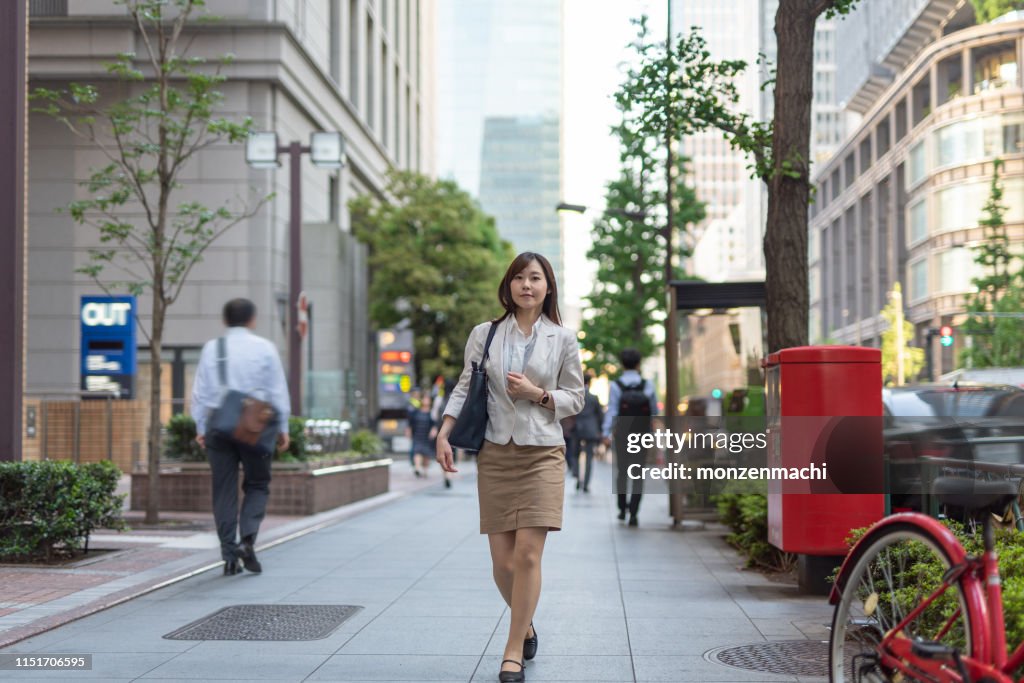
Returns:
(108, 344)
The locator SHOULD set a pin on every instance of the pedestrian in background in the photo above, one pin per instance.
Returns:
(534, 380)
(569, 434)
(630, 396)
(415, 397)
(251, 365)
(423, 431)
(587, 435)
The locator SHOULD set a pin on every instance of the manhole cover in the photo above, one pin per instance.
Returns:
(267, 622)
(787, 657)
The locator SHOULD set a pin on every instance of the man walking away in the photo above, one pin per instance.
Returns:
(588, 434)
(252, 366)
(630, 396)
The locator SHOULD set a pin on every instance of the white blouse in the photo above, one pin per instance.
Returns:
(518, 348)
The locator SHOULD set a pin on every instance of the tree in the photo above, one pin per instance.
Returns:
(895, 342)
(997, 338)
(147, 242)
(628, 298)
(435, 260)
(987, 10)
(702, 96)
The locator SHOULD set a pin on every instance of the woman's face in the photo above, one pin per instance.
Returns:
(529, 287)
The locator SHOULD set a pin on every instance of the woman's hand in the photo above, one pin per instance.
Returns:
(445, 457)
(520, 387)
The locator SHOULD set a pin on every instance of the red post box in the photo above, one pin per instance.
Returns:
(808, 389)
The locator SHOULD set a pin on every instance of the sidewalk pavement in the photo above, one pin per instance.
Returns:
(618, 604)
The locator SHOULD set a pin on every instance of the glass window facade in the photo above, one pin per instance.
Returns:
(962, 206)
(918, 280)
(968, 141)
(918, 164)
(918, 221)
(956, 270)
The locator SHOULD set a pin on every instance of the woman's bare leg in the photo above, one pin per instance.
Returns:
(503, 547)
(528, 549)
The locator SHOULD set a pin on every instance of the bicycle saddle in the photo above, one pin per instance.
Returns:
(975, 495)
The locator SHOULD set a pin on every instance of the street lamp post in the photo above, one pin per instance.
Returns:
(326, 150)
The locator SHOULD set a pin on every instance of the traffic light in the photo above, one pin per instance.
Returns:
(946, 335)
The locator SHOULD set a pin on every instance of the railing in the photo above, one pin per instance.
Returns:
(933, 467)
(48, 8)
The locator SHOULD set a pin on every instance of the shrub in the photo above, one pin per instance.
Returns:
(743, 507)
(922, 571)
(50, 507)
(180, 440)
(296, 451)
(366, 442)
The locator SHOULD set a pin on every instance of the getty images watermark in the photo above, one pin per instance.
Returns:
(690, 442)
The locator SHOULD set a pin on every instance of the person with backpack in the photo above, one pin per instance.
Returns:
(630, 396)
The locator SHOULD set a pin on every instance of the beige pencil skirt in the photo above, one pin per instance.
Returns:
(520, 486)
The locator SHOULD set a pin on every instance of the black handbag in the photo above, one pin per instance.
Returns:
(240, 418)
(471, 424)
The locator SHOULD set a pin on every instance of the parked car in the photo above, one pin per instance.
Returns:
(1011, 376)
(973, 428)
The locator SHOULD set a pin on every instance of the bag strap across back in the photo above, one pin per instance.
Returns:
(222, 361)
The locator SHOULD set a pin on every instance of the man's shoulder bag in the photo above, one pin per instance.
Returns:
(240, 418)
(471, 424)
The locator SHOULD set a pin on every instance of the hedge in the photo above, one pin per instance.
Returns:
(49, 508)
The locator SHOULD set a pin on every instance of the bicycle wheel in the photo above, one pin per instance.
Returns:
(893, 573)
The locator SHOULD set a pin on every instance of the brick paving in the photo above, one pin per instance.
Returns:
(34, 598)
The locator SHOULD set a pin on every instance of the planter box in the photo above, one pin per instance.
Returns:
(295, 488)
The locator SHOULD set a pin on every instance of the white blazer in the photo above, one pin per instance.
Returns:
(554, 366)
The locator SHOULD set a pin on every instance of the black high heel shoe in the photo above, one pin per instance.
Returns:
(530, 645)
(512, 676)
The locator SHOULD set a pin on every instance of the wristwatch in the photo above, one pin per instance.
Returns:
(544, 399)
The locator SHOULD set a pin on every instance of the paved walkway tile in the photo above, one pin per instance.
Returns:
(618, 603)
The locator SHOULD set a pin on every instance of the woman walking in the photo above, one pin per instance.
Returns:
(534, 379)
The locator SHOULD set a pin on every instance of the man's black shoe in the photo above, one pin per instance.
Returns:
(231, 568)
(247, 554)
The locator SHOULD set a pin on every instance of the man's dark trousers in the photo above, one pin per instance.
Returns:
(224, 458)
(623, 459)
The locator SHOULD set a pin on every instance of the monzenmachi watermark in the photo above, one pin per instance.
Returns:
(679, 472)
(706, 456)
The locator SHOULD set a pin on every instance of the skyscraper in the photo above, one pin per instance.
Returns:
(500, 114)
(727, 245)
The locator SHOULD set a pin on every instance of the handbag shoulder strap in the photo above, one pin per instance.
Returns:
(222, 360)
(487, 346)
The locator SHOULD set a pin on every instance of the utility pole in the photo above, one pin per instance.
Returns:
(13, 157)
(897, 300)
(671, 325)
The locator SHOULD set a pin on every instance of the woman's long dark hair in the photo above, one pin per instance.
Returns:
(550, 307)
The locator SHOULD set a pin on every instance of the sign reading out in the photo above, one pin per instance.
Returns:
(108, 353)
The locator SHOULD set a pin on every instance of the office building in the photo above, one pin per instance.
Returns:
(361, 67)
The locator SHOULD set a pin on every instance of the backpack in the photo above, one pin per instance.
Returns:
(633, 402)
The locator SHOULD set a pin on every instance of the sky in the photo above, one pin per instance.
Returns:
(597, 35)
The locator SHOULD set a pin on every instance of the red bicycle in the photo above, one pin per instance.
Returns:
(899, 619)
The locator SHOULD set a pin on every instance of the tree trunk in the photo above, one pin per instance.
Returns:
(785, 241)
(155, 371)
